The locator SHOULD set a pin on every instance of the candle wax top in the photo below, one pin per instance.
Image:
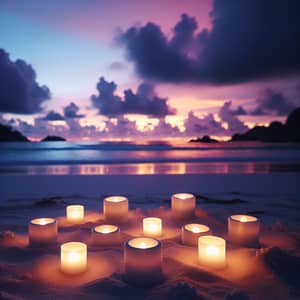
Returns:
(115, 199)
(143, 243)
(244, 218)
(106, 229)
(73, 247)
(42, 221)
(150, 220)
(196, 228)
(211, 241)
(75, 206)
(183, 196)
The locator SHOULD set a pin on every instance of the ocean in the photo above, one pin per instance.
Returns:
(145, 158)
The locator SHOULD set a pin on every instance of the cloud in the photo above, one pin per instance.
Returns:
(71, 111)
(117, 66)
(195, 126)
(270, 102)
(234, 124)
(165, 129)
(20, 93)
(145, 101)
(121, 128)
(239, 111)
(249, 40)
(53, 116)
(75, 130)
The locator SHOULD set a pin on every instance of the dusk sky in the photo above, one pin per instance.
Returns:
(88, 70)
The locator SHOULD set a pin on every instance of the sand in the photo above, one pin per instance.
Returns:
(268, 272)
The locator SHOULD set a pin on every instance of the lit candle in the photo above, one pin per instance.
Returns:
(191, 232)
(115, 209)
(183, 205)
(105, 235)
(212, 251)
(75, 213)
(42, 231)
(73, 257)
(243, 230)
(152, 227)
(143, 261)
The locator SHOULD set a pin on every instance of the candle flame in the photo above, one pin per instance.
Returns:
(143, 245)
(184, 196)
(212, 250)
(196, 229)
(243, 219)
(116, 199)
(43, 222)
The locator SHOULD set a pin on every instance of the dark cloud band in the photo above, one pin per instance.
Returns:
(249, 40)
(20, 93)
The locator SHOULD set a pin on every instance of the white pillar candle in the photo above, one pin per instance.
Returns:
(75, 213)
(143, 261)
(152, 227)
(115, 209)
(191, 232)
(42, 231)
(243, 230)
(183, 205)
(73, 258)
(106, 235)
(212, 251)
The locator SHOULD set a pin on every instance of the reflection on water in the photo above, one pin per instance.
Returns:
(154, 168)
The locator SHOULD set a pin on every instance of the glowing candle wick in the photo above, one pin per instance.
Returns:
(243, 219)
(196, 229)
(143, 245)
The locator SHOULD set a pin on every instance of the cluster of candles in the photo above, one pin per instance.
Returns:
(143, 255)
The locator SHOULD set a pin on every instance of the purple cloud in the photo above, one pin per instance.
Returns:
(53, 116)
(145, 101)
(234, 124)
(270, 102)
(249, 40)
(71, 111)
(196, 126)
(20, 93)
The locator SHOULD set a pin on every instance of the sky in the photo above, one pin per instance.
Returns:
(100, 69)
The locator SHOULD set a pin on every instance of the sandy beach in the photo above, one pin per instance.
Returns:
(251, 273)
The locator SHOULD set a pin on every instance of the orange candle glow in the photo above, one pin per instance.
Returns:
(73, 258)
(244, 230)
(191, 232)
(183, 205)
(143, 261)
(42, 231)
(115, 209)
(105, 235)
(212, 251)
(152, 227)
(75, 213)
